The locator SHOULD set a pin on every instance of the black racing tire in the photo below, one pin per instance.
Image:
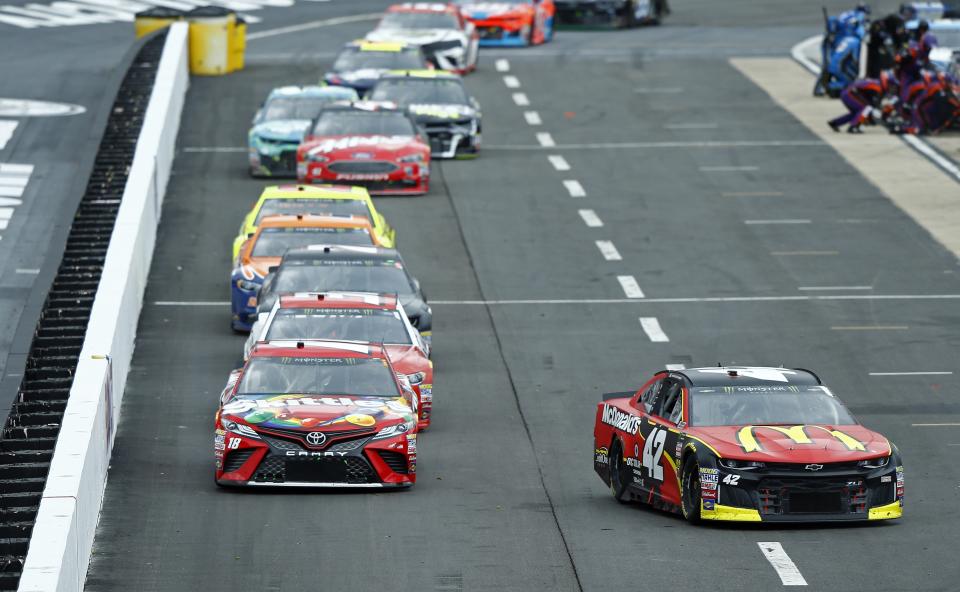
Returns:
(618, 475)
(690, 490)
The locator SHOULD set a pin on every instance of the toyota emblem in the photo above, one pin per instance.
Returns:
(813, 467)
(316, 438)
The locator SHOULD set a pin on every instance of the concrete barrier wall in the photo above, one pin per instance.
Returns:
(70, 508)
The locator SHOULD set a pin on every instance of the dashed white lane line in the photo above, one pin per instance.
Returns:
(532, 117)
(935, 425)
(560, 163)
(910, 373)
(651, 326)
(675, 367)
(783, 221)
(28, 271)
(511, 81)
(832, 288)
(502, 65)
(545, 139)
(869, 327)
(726, 169)
(804, 253)
(7, 127)
(782, 564)
(630, 286)
(608, 250)
(591, 219)
(13, 182)
(574, 188)
(521, 99)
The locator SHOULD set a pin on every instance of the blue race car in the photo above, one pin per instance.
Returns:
(361, 63)
(280, 124)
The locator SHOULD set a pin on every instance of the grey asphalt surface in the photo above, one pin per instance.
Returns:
(506, 497)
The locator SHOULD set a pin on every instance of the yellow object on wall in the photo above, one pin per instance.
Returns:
(148, 21)
(238, 45)
(211, 31)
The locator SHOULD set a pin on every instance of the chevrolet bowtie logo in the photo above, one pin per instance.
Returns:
(813, 467)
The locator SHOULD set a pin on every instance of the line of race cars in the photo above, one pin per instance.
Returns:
(337, 380)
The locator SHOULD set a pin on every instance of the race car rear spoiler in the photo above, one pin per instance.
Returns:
(620, 395)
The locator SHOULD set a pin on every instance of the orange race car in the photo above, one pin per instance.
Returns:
(274, 235)
(511, 22)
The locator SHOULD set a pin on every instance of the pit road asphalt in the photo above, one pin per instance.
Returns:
(506, 497)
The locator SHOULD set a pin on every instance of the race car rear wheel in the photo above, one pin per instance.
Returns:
(619, 475)
(690, 490)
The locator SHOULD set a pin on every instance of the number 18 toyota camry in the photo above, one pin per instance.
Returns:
(745, 444)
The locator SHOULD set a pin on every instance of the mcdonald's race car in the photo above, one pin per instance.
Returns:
(746, 444)
(280, 123)
(275, 236)
(361, 63)
(357, 317)
(316, 414)
(440, 103)
(616, 13)
(317, 200)
(448, 40)
(511, 22)
(375, 145)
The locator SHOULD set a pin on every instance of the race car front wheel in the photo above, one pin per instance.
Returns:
(619, 474)
(690, 490)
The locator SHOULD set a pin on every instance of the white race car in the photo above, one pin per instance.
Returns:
(445, 36)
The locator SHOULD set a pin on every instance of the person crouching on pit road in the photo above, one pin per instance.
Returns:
(863, 100)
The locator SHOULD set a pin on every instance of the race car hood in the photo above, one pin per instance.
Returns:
(488, 10)
(407, 358)
(307, 413)
(441, 113)
(794, 444)
(346, 146)
(416, 36)
(361, 75)
(290, 130)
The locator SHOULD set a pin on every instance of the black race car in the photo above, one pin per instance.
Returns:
(617, 13)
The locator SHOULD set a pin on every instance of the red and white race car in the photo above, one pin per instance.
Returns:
(316, 414)
(375, 145)
(357, 317)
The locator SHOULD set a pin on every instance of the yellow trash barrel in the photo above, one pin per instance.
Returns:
(158, 17)
(211, 28)
(238, 44)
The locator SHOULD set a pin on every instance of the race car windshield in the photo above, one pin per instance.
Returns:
(344, 324)
(294, 108)
(766, 405)
(413, 91)
(318, 376)
(419, 20)
(274, 242)
(317, 207)
(353, 59)
(363, 123)
(343, 275)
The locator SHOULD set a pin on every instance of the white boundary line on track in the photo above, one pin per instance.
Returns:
(675, 367)
(910, 373)
(678, 300)
(782, 564)
(340, 20)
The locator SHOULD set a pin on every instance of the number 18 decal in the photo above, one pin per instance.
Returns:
(652, 451)
(234, 443)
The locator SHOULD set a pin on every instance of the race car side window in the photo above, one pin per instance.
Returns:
(651, 396)
(673, 409)
(669, 395)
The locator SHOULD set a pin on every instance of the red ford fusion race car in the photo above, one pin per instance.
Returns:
(375, 145)
(353, 316)
(316, 414)
(511, 22)
(745, 444)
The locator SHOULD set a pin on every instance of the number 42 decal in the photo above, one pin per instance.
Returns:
(731, 479)
(652, 451)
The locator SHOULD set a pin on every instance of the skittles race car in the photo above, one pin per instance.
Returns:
(360, 317)
(280, 123)
(616, 13)
(448, 40)
(745, 444)
(361, 63)
(275, 236)
(375, 145)
(317, 200)
(316, 414)
(441, 105)
(511, 22)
